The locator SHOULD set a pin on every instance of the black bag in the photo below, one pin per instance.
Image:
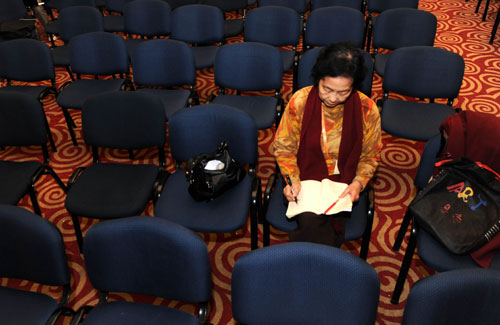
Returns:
(207, 184)
(460, 207)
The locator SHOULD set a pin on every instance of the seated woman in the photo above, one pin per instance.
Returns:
(329, 130)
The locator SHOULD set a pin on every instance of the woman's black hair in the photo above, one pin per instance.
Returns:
(340, 60)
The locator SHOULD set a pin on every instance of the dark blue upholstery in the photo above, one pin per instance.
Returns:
(427, 161)
(378, 6)
(421, 72)
(22, 123)
(401, 27)
(166, 63)
(277, 26)
(115, 22)
(32, 249)
(147, 19)
(455, 297)
(235, 26)
(12, 10)
(308, 60)
(155, 257)
(303, 283)
(201, 129)
(125, 120)
(354, 4)
(334, 24)
(77, 92)
(202, 25)
(299, 6)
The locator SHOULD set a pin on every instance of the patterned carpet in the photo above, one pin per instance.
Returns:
(459, 30)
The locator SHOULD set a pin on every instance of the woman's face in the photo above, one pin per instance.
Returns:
(334, 90)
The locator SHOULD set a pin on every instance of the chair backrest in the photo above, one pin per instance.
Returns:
(334, 24)
(468, 296)
(12, 10)
(174, 4)
(26, 60)
(308, 60)
(424, 72)
(71, 3)
(78, 20)
(155, 257)
(299, 6)
(378, 6)
(303, 283)
(201, 129)
(116, 5)
(126, 120)
(225, 5)
(21, 120)
(32, 248)
(98, 53)
(273, 25)
(248, 66)
(354, 4)
(163, 62)
(147, 18)
(198, 24)
(400, 27)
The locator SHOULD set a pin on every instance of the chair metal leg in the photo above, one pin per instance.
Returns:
(70, 123)
(486, 9)
(365, 241)
(56, 177)
(49, 133)
(402, 231)
(403, 272)
(266, 234)
(495, 27)
(34, 201)
(78, 232)
(477, 6)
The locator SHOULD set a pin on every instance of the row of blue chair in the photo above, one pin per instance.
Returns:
(294, 283)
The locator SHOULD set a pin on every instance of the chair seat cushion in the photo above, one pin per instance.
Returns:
(287, 57)
(36, 92)
(113, 23)
(173, 99)
(52, 28)
(226, 213)
(78, 91)
(380, 61)
(204, 56)
(233, 27)
(276, 217)
(25, 307)
(127, 313)
(16, 179)
(60, 56)
(107, 190)
(261, 108)
(132, 44)
(412, 120)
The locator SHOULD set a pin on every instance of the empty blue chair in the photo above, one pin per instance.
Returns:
(354, 4)
(31, 248)
(456, 297)
(303, 283)
(234, 26)
(150, 256)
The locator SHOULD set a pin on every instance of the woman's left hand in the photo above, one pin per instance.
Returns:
(353, 190)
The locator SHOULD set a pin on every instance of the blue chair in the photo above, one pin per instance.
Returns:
(201, 129)
(354, 4)
(146, 19)
(28, 60)
(332, 25)
(232, 27)
(421, 72)
(32, 249)
(114, 21)
(246, 67)
(276, 26)
(96, 53)
(14, 19)
(303, 283)
(22, 124)
(166, 63)
(308, 59)
(300, 6)
(146, 255)
(73, 21)
(401, 27)
(455, 297)
(202, 26)
(121, 120)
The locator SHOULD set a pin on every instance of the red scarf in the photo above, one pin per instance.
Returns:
(310, 157)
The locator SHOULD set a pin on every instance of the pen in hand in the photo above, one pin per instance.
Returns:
(289, 181)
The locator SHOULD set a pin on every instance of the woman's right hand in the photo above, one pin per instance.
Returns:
(287, 192)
